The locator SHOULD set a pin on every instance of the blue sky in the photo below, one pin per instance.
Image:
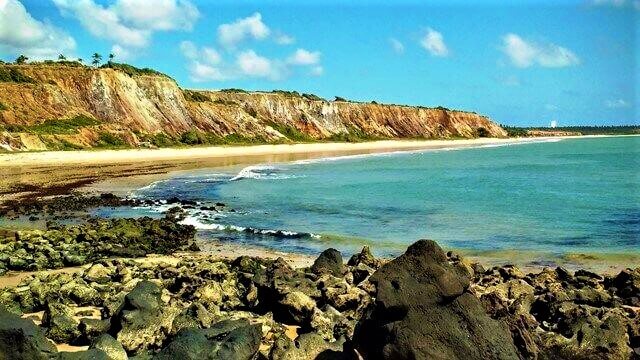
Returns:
(528, 63)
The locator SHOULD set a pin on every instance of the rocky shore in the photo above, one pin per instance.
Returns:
(425, 304)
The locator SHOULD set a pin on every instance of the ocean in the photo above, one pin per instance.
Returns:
(552, 197)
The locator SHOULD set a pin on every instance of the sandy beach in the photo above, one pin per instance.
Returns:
(32, 174)
(97, 157)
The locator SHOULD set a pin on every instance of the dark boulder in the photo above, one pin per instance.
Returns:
(329, 262)
(22, 339)
(60, 323)
(110, 346)
(229, 339)
(144, 320)
(424, 311)
(364, 257)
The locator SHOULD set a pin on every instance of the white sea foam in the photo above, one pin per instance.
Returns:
(200, 225)
(262, 172)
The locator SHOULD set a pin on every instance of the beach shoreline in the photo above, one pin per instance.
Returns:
(95, 157)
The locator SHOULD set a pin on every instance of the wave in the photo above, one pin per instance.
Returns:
(195, 222)
(262, 172)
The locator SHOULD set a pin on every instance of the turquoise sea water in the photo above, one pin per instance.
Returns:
(574, 195)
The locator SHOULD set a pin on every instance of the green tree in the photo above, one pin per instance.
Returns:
(96, 58)
(111, 56)
(21, 59)
(80, 60)
(62, 57)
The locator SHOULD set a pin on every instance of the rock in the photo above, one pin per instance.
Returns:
(22, 339)
(423, 311)
(299, 306)
(195, 316)
(329, 261)
(93, 328)
(110, 346)
(364, 257)
(91, 354)
(144, 319)
(81, 293)
(98, 273)
(230, 339)
(307, 346)
(60, 324)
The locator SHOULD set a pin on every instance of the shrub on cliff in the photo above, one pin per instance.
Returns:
(193, 137)
(132, 70)
(195, 96)
(14, 75)
(110, 140)
(482, 132)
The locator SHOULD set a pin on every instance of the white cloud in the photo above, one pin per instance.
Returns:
(230, 35)
(433, 42)
(396, 45)
(160, 15)
(189, 50)
(207, 64)
(235, 62)
(211, 55)
(254, 65)
(550, 107)
(201, 72)
(304, 57)
(617, 104)
(130, 23)
(121, 54)
(284, 39)
(20, 33)
(523, 53)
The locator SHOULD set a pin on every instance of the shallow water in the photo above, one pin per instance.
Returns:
(559, 197)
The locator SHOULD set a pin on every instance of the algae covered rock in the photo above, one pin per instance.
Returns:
(143, 320)
(329, 261)
(22, 339)
(423, 311)
(229, 339)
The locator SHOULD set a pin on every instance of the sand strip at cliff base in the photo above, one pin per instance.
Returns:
(97, 157)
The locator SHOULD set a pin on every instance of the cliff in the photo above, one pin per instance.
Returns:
(58, 107)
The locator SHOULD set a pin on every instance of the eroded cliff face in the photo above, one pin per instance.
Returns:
(133, 109)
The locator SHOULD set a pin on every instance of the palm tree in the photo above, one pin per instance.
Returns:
(62, 57)
(21, 59)
(80, 60)
(96, 59)
(111, 56)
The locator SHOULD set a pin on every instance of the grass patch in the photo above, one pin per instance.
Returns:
(354, 135)
(291, 133)
(225, 102)
(109, 140)
(59, 144)
(132, 70)
(195, 96)
(3, 107)
(234, 90)
(60, 126)
(9, 74)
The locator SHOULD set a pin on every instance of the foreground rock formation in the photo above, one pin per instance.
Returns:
(423, 305)
(143, 109)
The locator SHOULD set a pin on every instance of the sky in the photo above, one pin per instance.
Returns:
(524, 64)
